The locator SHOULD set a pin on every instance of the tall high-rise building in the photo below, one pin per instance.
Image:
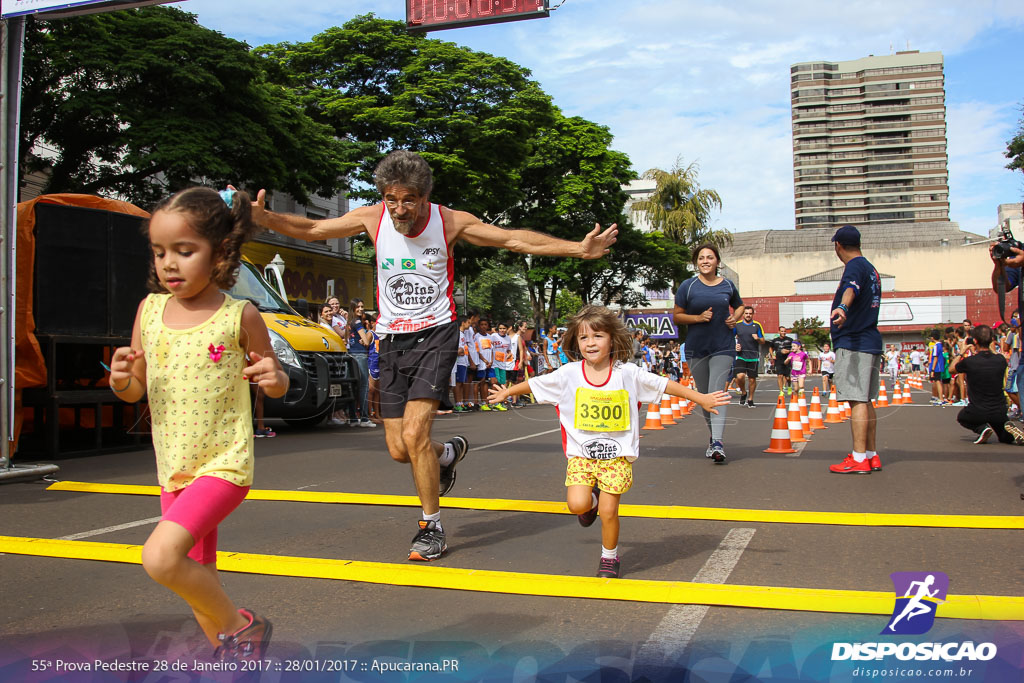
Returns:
(869, 141)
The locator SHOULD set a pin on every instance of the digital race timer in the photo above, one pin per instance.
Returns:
(434, 15)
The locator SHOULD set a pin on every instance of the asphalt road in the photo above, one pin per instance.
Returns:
(73, 609)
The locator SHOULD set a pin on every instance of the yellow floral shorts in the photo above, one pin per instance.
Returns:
(613, 476)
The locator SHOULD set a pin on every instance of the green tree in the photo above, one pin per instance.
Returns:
(680, 208)
(569, 304)
(143, 102)
(1015, 148)
(572, 181)
(469, 114)
(499, 292)
(811, 332)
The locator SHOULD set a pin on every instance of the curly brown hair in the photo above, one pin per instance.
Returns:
(225, 228)
(598, 319)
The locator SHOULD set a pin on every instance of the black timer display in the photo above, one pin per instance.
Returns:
(434, 15)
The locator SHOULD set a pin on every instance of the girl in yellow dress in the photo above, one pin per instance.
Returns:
(188, 355)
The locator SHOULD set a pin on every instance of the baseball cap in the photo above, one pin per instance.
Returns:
(848, 236)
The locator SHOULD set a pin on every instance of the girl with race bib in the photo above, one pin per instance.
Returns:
(598, 395)
(188, 355)
(798, 359)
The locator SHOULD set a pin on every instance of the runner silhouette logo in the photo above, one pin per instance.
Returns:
(918, 595)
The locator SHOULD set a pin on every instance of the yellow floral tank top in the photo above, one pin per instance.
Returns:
(198, 399)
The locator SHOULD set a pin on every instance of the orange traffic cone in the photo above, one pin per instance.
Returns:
(666, 411)
(677, 410)
(897, 394)
(805, 420)
(796, 432)
(833, 415)
(847, 411)
(690, 405)
(780, 442)
(907, 398)
(653, 417)
(883, 399)
(814, 415)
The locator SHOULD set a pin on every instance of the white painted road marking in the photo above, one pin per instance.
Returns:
(104, 530)
(668, 641)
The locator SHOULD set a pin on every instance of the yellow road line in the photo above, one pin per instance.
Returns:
(987, 607)
(873, 519)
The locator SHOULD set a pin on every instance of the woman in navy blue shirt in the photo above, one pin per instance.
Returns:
(702, 304)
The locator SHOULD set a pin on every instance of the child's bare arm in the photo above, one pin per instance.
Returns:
(264, 368)
(128, 365)
(497, 394)
(705, 401)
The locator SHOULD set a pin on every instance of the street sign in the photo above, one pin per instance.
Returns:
(64, 8)
(434, 15)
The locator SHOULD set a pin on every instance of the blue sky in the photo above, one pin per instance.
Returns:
(709, 82)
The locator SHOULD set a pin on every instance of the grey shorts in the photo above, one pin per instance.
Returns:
(856, 376)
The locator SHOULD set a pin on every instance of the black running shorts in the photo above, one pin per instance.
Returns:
(416, 365)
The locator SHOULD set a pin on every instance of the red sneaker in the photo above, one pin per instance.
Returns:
(876, 463)
(851, 466)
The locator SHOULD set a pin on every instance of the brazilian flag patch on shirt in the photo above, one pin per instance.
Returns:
(408, 264)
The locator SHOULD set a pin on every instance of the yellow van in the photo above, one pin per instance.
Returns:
(323, 377)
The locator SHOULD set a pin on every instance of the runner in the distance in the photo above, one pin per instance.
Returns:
(749, 337)
(413, 239)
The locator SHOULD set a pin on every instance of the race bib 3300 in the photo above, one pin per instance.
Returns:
(601, 411)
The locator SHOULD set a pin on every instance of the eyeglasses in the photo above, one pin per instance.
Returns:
(392, 204)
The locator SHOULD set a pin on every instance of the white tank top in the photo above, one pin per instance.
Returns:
(414, 276)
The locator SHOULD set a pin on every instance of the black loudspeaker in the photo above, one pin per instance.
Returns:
(90, 271)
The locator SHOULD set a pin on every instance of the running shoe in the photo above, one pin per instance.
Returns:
(717, 452)
(499, 406)
(264, 433)
(750, 403)
(335, 422)
(985, 435)
(428, 543)
(875, 463)
(484, 406)
(608, 569)
(851, 466)
(447, 479)
(366, 422)
(461, 409)
(588, 517)
(247, 643)
(743, 398)
(1016, 432)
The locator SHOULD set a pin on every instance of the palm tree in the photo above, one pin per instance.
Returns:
(680, 209)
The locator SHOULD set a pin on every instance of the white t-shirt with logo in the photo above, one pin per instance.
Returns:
(502, 351)
(483, 347)
(915, 357)
(465, 340)
(562, 388)
(828, 362)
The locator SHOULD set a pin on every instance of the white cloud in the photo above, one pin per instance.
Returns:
(710, 81)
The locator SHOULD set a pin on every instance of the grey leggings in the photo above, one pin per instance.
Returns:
(713, 372)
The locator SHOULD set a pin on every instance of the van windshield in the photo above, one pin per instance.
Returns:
(251, 287)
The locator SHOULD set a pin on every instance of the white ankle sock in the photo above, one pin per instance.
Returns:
(447, 456)
(859, 457)
(435, 518)
(871, 454)
(610, 554)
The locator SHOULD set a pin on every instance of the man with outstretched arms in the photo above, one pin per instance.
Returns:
(413, 239)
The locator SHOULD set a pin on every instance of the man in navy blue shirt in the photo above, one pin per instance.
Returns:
(858, 344)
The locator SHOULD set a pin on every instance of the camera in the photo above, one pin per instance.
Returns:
(1002, 248)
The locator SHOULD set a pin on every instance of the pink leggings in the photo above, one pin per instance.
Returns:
(199, 508)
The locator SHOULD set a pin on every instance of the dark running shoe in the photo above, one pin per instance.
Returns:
(750, 403)
(447, 479)
(428, 543)
(608, 569)
(247, 643)
(743, 398)
(588, 517)
(717, 451)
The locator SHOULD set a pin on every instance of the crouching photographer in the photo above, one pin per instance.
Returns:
(985, 414)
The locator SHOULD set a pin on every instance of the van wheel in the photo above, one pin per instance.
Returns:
(306, 422)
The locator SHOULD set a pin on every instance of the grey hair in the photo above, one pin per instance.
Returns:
(404, 168)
